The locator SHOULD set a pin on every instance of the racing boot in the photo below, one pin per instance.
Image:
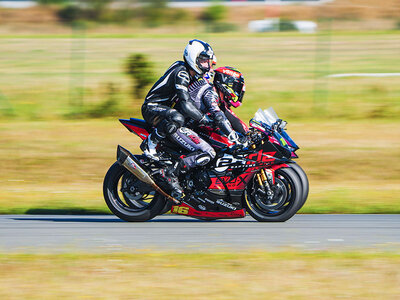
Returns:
(169, 181)
(149, 146)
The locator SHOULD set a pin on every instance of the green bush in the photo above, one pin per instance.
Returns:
(154, 12)
(97, 11)
(71, 13)
(107, 107)
(139, 68)
(397, 25)
(286, 25)
(214, 13)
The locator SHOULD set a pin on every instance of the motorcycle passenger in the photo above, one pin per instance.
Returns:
(206, 99)
(230, 86)
(167, 106)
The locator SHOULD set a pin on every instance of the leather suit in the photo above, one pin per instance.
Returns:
(167, 106)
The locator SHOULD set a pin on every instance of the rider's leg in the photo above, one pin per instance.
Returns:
(165, 119)
(201, 152)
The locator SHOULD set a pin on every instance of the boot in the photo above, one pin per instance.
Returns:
(149, 147)
(170, 182)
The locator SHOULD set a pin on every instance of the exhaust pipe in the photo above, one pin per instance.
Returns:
(128, 161)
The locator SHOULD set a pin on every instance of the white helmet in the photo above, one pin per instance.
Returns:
(198, 55)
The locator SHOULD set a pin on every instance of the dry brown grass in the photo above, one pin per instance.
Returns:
(201, 276)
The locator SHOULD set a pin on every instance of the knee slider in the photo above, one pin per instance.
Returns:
(171, 127)
(203, 159)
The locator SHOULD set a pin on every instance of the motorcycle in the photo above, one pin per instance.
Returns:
(261, 179)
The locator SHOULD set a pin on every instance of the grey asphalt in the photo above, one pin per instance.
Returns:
(54, 234)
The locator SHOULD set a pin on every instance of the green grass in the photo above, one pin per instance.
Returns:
(152, 275)
(285, 70)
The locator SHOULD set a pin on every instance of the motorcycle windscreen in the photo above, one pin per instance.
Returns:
(289, 140)
(267, 116)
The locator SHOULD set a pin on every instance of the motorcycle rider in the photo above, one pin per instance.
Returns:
(228, 86)
(168, 104)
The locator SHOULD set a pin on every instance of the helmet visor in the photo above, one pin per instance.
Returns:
(204, 62)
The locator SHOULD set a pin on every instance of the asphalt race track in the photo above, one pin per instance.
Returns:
(53, 234)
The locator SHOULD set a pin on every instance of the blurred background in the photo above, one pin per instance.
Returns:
(70, 69)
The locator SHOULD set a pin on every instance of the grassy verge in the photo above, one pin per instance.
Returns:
(285, 70)
(281, 275)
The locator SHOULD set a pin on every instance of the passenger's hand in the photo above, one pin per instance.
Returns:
(205, 120)
(243, 142)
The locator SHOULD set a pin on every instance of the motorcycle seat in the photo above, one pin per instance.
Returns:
(141, 123)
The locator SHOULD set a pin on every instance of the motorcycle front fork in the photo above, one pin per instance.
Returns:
(265, 179)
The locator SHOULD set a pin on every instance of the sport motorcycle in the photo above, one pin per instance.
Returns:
(261, 179)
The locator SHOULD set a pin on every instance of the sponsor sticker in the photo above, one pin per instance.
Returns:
(231, 73)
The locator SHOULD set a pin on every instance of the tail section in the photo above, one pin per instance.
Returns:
(137, 126)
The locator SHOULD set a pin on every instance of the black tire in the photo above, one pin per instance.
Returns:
(304, 182)
(119, 207)
(289, 192)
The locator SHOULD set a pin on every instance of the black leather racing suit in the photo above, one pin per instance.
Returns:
(166, 107)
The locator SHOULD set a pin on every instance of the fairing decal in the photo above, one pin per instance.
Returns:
(235, 183)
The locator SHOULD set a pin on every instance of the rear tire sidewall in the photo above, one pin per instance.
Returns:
(293, 206)
(110, 186)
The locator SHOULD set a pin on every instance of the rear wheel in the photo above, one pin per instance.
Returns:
(284, 202)
(129, 198)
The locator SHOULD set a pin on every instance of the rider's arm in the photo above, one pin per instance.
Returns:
(236, 123)
(210, 101)
(184, 104)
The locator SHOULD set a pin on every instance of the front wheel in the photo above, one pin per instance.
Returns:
(282, 205)
(304, 182)
(129, 198)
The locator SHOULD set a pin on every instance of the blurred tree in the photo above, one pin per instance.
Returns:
(154, 12)
(212, 17)
(139, 68)
(214, 13)
(70, 13)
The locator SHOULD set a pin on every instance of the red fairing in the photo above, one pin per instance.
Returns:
(141, 132)
(190, 211)
(273, 140)
(276, 167)
(215, 139)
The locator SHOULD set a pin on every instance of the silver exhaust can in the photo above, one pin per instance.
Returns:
(128, 161)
